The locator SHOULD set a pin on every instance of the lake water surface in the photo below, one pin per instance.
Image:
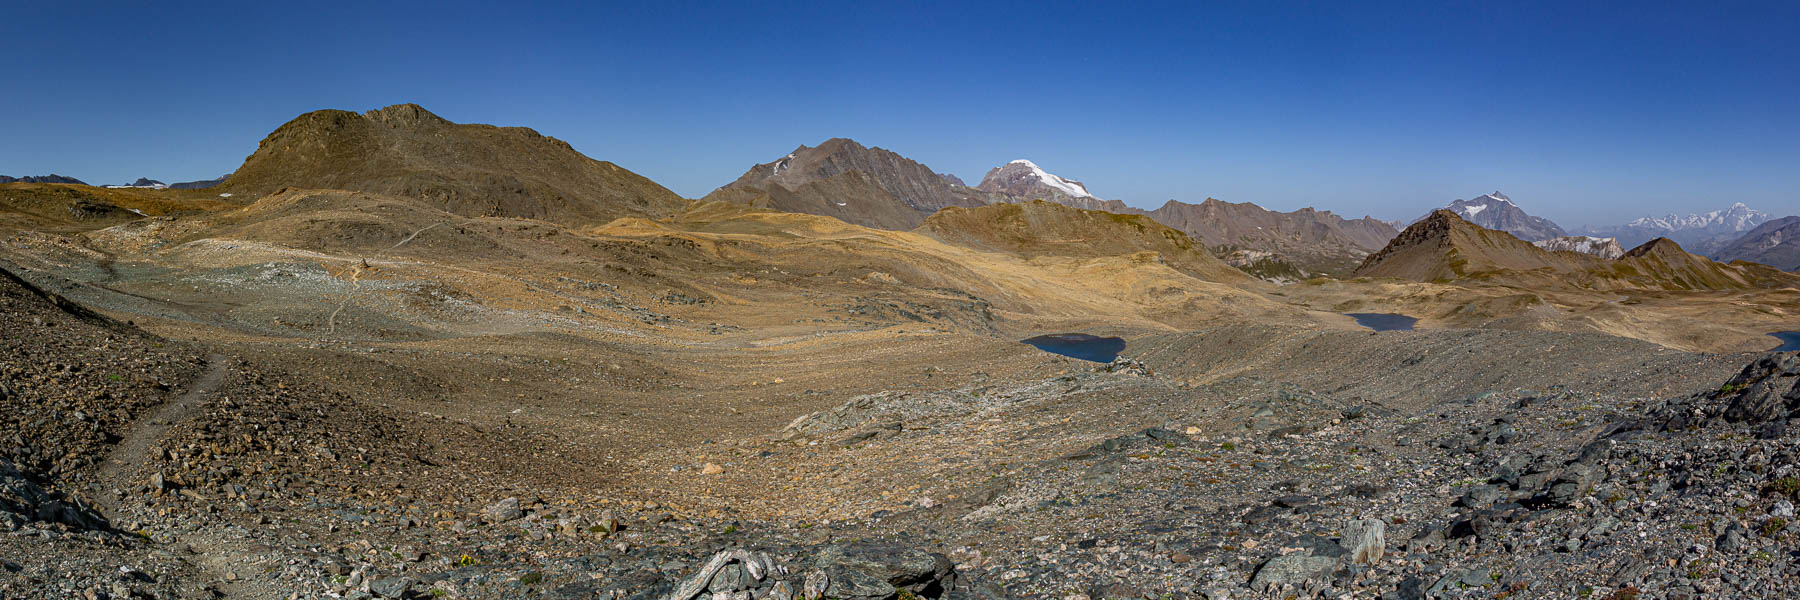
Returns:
(1384, 321)
(1080, 345)
(1790, 341)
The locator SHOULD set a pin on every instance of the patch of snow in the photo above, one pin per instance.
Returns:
(139, 212)
(1470, 211)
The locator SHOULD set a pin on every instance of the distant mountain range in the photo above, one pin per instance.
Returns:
(1280, 245)
(1705, 232)
(1715, 234)
(481, 170)
(142, 182)
(199, 185)
(1444, 247)
(51, 178)
(876, 187)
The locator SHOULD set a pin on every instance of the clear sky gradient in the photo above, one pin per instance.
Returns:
(1584, 113)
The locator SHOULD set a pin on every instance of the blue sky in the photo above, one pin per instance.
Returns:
(1585, 113)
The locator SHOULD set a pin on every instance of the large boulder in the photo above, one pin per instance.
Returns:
(917, 571)
(1365, 539)
(1765, 390)
(854, 571)
(23, 501)
(1303, 573)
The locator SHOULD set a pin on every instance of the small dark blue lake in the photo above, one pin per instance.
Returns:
(1790, 341)
(1384, 321)
(1080, 345)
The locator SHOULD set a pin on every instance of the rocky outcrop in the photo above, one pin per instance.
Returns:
(1607, 248)
(853, 571)
(1765, 392)
(24, 503)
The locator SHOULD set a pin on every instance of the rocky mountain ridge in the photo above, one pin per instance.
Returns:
(1024, 178)
(1497, 211)
(1602, 247)
(1775, 242)
(51, 178)
(864, 185)
(1313, 241)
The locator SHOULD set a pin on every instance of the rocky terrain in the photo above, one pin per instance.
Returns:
(395, 357)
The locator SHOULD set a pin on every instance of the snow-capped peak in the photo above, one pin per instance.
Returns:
(1739, 217)
(1468, 209)
(1072, 188)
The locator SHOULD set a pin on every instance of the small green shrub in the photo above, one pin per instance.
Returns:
(1786, 486)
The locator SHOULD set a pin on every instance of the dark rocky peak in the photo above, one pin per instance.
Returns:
(405, 115)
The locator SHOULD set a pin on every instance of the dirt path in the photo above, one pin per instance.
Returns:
(131, 451)
(212, 555)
